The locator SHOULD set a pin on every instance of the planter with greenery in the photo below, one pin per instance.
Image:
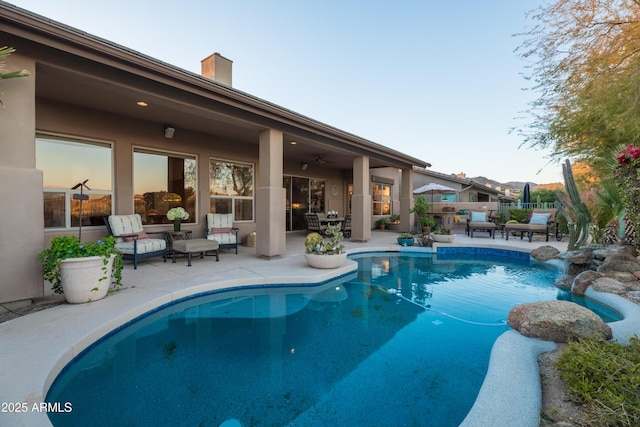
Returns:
(382, 223)
(442, 235)
(321, 253)
(83, 272)
(405, 239)
(394, 222)
(421, 208)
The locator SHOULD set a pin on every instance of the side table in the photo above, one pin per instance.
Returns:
(171, 236)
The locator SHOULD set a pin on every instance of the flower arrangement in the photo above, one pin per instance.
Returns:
(177, 214)
(316, 244)
(64, 247)
(332, 214)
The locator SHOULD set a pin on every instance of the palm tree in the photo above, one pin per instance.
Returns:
(4, 52)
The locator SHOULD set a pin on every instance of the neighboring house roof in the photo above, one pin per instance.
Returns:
(81, 69)
(465, 183)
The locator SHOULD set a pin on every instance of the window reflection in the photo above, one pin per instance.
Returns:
(64, 163)
(381, 197)
(161, 182)
(231, 189)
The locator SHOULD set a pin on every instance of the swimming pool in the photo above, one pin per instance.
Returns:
(403, 341)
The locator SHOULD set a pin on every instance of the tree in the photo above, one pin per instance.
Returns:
(5, 51)
(586, 68)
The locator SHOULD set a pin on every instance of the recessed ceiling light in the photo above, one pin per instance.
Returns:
(142, 104)
(294, 143)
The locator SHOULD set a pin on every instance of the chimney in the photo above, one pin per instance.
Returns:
(218, 68)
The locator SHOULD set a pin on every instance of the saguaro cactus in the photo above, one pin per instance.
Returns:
(574, 210)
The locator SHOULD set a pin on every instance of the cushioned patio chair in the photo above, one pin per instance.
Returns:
(313, 223)
(220, 228)
(346, 226)
(131, 239)
(479, 221)
(542, 221)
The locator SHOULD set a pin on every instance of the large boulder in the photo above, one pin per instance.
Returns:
(583, 281)
(557, 321)
(620, 262)
(608, 284)
(545, 253)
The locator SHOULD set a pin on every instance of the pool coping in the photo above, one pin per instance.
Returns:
(50, 329)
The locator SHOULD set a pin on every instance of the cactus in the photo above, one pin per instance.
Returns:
(574, 210)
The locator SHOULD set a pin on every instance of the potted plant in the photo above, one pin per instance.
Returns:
(382, 223)
(421, 208)
(394, 222)
(83, 272)
(442, 235)
(321, 253)
(177, 215)
(405, 239)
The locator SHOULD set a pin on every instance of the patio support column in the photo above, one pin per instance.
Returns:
(406, 200)
(22, 230)
(361, 201)
(270, 197)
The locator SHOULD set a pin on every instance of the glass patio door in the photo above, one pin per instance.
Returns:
(302, 195)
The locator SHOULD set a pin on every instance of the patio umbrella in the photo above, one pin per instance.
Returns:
(526, 195)
(433, 188)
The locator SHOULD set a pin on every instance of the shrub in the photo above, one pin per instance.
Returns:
(604, 377)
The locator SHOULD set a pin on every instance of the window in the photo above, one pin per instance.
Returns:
(66, 163)
(163, 181)
(381, 198)
(231, 188)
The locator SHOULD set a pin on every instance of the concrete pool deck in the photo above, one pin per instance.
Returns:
(35, 348)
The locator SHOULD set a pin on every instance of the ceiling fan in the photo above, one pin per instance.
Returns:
(320, 161)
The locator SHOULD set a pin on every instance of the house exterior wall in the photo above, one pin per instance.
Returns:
(124, 133)
(20, 188)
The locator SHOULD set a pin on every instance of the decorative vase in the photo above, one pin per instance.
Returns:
(84, 280)
(325, 261)
(176, 224)
(443, 238)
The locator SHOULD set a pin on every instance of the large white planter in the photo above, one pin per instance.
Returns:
(80, 278)
(325, 261)
(443, 238)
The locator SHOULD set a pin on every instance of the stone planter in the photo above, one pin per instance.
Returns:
(80, 278)
(443, 238)
(325, 261)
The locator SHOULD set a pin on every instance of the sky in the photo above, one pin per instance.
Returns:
(437, 80)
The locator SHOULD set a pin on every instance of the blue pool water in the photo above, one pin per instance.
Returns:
(404, 341)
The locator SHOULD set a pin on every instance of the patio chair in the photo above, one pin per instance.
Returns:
(313, 223)
(346, 226)
(220, 228)
(479, 221)
(131, 239)
(542, 221)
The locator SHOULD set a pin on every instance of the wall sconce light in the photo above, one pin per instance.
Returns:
(304, 166)
(169, 132)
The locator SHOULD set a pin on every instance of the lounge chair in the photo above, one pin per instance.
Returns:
(542, 221)
(133, 241)
(479, 221)
(220, 228)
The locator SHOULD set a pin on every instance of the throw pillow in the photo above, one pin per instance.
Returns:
(539, 219)
(221, 230)
(141, 235)
(478, 217)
